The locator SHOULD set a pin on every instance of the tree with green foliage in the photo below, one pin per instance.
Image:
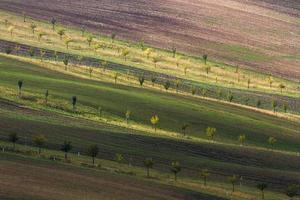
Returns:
(153, 80)
(258, 103)
(175, 168)
(68, 41)
(39, 141)
(167, 85)
(116, 77)
(211, 132)
(204, 174)
(230, 96)
(183, 129)
(248, 82)
(13, 138)
(272, 141)
(20, 85)
(207, 69)
(205, 58)
(33, 26)
(148, 162)
(174, 50)
(285, 107)
(61, 33)
(125, 53)
(127, 116)
(242, 139)
(154, 121)
(46, 96)
(91, 69)
(119, 158)
(281, 86)
(89, 40)
(53, 22)
(141, 80)
(233, 180)
(113, 37)
(74, 101)
(66, 147)
(292, 191)
(194, 90)
(274, 105)
(93, 151)
(262, 187)
(66, 62)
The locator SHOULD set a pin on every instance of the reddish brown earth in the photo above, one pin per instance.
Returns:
(27, 179)
(259, 34)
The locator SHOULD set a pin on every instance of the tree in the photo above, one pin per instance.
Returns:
(68, 41)
(91, 69)
(281, 86)
(53, 22)
(154, 121)
(237, 69)
(142, 80)
(211, 132)
(39, 141)
(127, 116)
(33, 27)
(11, 29)
(204, 174)
(8, 50)
(61, 33)
(125, 53)
(178, 83)
(285, 107)
(119, 158)
(258, 103)
(183, 128)
(262, 187)
(66, 147)
(167, 85)
(153, 80)
(100, 110)
(13, 138)
(175, 168)
(20, 85)
(40, 35)
(31, 52)
(248, 82)
(292, 191)
(242, 139)
(230, 96)
(66, 62)
(148, 52)
(46, 96)
(204, 91)
(205, 58)
(93, 151)
(207, 69)
(148, 162)
(174, 50)
(42, 54)
(82, 29)
(24, 16)
(113, 36)
(155, 60)
(74, 101)
(104, 64)
(185, 70)
(270, 81)
(116, 77)
(233, 179)
(89, 40)
(272, 141)
(194, 90)
(274, 105)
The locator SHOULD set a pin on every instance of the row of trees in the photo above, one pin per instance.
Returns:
(154, 120)
(175, 167)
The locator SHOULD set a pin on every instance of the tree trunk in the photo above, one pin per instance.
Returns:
(175, 176)
(93, 160)
(148, 172)
(232, 187)
(66, 156)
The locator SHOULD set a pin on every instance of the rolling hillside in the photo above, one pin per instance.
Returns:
(262, 35)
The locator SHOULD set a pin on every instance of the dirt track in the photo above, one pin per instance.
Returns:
(263, 34)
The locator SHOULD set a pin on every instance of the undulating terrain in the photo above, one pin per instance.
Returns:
(172, 100)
